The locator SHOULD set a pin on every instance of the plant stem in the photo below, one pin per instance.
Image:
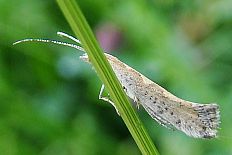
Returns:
(80, 27)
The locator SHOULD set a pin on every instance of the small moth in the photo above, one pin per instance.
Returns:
(194, 119)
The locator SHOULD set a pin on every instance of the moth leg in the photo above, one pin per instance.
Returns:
(137, 105)
(107, 99)
(135, 99)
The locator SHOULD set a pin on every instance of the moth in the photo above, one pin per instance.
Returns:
(194, 119)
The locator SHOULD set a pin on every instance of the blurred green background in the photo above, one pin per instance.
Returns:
(49, 98)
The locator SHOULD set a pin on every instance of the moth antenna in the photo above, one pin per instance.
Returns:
(51, 41)
(62, 34)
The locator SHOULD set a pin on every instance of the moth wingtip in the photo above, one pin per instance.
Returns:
(209, 116)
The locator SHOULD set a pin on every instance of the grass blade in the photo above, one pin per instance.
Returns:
(81, 29)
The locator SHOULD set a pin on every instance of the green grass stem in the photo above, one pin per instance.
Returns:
(83, 32)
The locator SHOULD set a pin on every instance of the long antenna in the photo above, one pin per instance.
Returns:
(55, 42)
(62, 34)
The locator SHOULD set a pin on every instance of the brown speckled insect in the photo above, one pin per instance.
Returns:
(194, 119)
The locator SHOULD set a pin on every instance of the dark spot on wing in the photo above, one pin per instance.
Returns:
(178, 121)
(204, 128)
(161, 111)
(155, 100)
(181, 105)
(146, 93)
(124, 88)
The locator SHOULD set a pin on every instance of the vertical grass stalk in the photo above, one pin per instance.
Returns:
(83, 32)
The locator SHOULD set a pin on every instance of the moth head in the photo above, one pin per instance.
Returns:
(84, 57)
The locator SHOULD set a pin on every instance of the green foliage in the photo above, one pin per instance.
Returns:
(49, 98)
